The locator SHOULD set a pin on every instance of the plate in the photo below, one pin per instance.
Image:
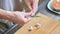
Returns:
(50, 7)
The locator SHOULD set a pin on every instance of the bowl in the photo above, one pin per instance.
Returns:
(51, 8)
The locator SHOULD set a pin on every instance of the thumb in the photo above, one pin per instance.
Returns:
(28, 19)
(29, 5)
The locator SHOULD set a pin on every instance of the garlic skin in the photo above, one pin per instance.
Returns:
(58, 0)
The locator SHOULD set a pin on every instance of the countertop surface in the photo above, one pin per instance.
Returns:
(46, 25)
(44, 10)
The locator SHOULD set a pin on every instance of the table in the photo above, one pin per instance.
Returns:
(46, 25)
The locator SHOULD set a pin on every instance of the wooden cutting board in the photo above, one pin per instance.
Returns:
(46, 24)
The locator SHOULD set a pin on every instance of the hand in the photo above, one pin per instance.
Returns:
(22, 16)
(32, 5)
(17, 17)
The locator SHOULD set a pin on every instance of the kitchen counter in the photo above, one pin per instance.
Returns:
(43, 9)
(40, 25)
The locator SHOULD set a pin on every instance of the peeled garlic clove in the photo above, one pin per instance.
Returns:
(30, 28)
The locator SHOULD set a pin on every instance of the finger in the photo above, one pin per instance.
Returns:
(35, 5)
(28, 19)
(29, 13)
(29, 5)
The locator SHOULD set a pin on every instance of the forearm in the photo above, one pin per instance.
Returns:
(35, 5)
(3, 13)
(10, 16)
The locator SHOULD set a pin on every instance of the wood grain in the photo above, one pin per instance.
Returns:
(47, 26)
